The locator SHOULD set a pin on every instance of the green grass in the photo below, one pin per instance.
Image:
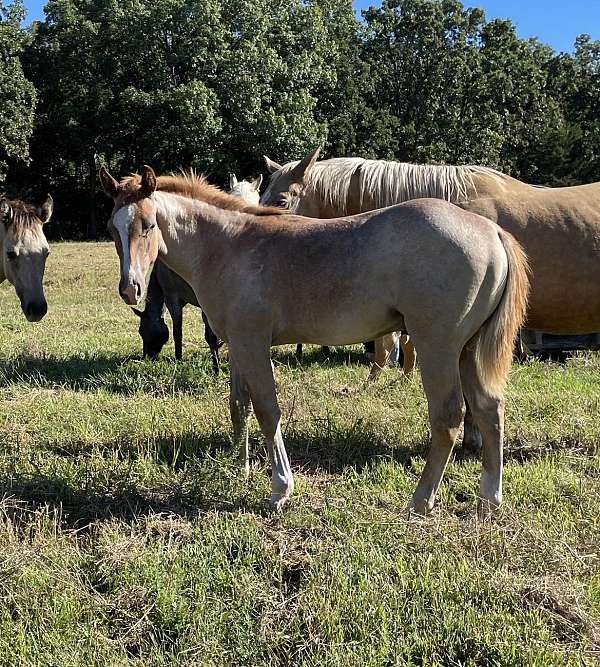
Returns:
(128, 538)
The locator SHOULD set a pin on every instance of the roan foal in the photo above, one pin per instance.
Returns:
(454, 279)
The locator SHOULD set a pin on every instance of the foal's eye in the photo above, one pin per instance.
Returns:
(11, 254)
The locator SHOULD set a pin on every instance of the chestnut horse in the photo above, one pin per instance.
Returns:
(456, 280)
(24, 250)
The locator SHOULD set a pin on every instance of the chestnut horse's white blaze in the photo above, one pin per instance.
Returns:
(263, 277)
(122, 221)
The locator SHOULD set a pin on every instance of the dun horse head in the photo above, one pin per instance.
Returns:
(24, 252)
(134, 229)
(288, 182)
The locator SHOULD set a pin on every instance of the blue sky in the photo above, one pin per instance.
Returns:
(555, 22)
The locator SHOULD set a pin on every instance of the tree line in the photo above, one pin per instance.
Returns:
(216, 84)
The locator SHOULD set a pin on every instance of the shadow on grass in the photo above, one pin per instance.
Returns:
(313, 354)
(112, 373)
(199, 473)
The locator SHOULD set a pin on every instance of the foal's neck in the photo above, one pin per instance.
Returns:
(195, 234)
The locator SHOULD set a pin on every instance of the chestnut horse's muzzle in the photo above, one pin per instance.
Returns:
(131, 292)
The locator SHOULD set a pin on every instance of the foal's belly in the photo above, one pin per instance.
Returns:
(341, 329)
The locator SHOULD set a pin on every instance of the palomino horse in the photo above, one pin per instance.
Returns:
(456, 280)
(24, 251)
(559, 228)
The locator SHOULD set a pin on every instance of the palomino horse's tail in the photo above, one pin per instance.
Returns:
(496, 339)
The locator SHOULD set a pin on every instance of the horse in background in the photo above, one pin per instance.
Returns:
(167, 290)
(24, 250)
(265, 277)
(248, 191)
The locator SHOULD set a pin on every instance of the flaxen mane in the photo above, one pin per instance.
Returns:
(388, 183)
(189, 184)
(19, 215)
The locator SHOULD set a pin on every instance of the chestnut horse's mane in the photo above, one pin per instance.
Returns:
(194, 186)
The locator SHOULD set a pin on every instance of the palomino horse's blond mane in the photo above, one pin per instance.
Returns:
(193, 186)
(387, 183)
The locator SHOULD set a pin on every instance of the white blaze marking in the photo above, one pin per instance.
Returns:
(122, 222)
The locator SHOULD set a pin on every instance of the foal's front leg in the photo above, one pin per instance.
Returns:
(253, 363)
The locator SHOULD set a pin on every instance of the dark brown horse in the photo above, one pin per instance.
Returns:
(167, 289)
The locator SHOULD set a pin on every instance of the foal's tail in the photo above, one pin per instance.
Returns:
(496, 338)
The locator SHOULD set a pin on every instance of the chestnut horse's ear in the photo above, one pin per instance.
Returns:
(109, 184)
(302, 169)
(256, 183)
(272, 166)
(44, 210)
(148, 184)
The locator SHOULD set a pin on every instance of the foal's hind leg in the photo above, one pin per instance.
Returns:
(488, 414)
(441, 381)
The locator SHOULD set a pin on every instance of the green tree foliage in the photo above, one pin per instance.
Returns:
(17, 94)
(216, 84)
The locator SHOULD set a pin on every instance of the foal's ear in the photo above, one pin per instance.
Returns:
(44, 210)
(272, 166)
(233, 181)
(256, 183)
(109, 184)
(302, 169)
(148, 184)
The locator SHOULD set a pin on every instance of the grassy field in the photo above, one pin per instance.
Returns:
(128, 538)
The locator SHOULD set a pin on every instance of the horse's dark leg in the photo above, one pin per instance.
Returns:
(299, 350)
(176, 310)
(471, 434)
(325, 349)
(213, 343)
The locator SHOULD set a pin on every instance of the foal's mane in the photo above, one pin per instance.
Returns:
(388, 183)
(193, 186)
(20, 215)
